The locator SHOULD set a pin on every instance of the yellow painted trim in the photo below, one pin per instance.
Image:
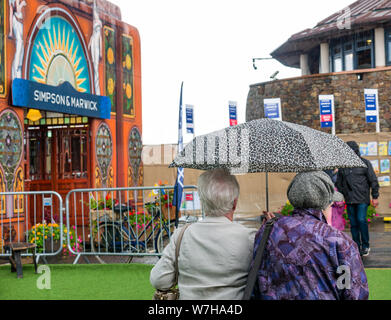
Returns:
(105, 66)
(131, 116)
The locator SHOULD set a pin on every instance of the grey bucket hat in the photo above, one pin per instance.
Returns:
(313, 190)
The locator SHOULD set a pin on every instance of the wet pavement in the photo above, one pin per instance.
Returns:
(380, 243)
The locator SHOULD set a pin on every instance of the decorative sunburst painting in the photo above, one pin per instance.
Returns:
(58, 56)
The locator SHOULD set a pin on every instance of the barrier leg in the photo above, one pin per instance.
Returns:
(35, 262)
(18, 261)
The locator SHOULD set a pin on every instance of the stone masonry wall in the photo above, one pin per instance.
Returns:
(299, 99)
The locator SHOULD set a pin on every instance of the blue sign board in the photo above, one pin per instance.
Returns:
(190, 119)
(326, 105)
(233, 116)
(371, 108)
(61, 99)
(271, 111)
(272, 108)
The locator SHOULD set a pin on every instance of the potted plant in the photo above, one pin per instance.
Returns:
(162, 198)
(101, 208)
(47, 237)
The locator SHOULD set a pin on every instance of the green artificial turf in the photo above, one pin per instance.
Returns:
(379, 283)
(79, 282)
(117, 282)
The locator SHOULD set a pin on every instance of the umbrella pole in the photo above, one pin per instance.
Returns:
(267, 192)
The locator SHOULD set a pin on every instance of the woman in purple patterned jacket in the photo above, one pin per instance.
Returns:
(306, 258)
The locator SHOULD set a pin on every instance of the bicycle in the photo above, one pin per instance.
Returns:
(120, 236)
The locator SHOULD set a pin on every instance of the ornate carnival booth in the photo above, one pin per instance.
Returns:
(70, 100)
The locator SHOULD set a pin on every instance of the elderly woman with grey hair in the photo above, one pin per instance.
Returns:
(305, 257)
(215, 253)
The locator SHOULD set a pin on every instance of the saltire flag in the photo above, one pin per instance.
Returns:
(178, 190)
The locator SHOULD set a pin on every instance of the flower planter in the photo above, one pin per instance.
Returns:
(101, 215)
(52, 246)
(166, 213)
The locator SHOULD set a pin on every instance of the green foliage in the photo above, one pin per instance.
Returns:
(40, 233)
(287, 209)
(161, 198)
(101, 204)
(139, 220)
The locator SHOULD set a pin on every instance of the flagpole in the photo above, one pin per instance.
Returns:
(178, 190)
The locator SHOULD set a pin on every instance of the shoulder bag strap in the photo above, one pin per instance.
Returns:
(252, 277)
(178, 245)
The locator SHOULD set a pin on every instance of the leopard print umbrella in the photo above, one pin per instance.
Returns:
(266, 145)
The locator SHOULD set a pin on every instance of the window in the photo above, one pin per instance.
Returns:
(388, 46)
(354, 52)
(348, 56)
(337, 58)
(364, 42)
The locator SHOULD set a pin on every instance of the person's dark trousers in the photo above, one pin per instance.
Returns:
(359, 225)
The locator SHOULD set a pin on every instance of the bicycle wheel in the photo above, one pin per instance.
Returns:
(108, 241)
(163, 237)
(109, 238)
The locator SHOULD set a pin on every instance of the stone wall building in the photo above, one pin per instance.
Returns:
(342, 55)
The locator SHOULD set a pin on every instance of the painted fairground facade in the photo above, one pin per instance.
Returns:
(70, 99)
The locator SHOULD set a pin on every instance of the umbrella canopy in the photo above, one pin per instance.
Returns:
(266, 145)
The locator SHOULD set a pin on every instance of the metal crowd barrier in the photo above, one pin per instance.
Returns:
(34, 218)
(126, 222)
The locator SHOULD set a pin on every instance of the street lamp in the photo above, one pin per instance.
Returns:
(255, 59)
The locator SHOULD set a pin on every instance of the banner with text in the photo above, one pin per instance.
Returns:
(327, 114)
(371, 105)
(233, 114)
(61, 99)
(272, 108)
(190, 119)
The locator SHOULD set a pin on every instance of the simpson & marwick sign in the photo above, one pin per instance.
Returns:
(61, 99)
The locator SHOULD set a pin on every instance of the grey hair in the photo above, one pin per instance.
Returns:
(218, 190)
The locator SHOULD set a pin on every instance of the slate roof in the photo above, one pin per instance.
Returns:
(363, 14)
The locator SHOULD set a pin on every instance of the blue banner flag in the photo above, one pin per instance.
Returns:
(233, 115)
(190, 119)
(178, 190)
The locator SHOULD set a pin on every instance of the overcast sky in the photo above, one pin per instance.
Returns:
(209, 45)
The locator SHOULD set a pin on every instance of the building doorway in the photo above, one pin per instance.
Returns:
(57, 159)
